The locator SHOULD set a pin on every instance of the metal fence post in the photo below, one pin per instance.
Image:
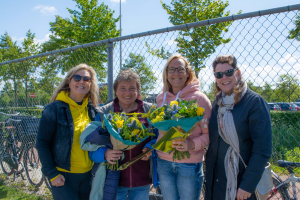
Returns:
(110, 49)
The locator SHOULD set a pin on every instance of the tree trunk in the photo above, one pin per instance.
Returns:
(16, 93)
(196, 70)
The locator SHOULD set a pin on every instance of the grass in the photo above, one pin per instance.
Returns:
(286, 142)
(16, 191)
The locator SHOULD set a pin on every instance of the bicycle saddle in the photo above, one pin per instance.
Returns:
(283, 163)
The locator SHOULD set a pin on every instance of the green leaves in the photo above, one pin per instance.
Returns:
(90, 23)
(295, 33)
(138, 64)
(198, 43)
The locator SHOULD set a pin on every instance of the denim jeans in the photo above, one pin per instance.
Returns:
(76, 187)
(180, 180)
(134, 193)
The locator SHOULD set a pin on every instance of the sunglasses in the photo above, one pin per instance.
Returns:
(77, 78)
(227, 73)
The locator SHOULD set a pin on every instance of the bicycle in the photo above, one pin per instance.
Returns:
(19, 145)
(280, 186)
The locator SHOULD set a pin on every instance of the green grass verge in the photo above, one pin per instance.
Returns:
(15, 191)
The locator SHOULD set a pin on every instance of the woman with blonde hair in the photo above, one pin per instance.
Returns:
(72, 107)
(183, 179)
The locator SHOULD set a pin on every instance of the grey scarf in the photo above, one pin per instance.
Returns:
(227, 131)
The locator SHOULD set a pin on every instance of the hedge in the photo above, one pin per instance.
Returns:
(31, 111)
(286, 118)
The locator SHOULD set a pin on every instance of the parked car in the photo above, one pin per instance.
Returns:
(274, 106)
(287, 106)
(294, 107)
(298, 105)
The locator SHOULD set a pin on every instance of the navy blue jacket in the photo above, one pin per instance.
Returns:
(55, 137)
(253, 125)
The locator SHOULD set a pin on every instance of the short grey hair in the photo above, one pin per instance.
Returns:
(128, 75)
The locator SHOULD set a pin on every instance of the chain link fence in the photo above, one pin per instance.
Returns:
(269, 61)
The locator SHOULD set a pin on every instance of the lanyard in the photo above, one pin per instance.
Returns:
(165, 95)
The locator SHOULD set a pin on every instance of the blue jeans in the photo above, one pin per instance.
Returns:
(180, 180)
(134, 193)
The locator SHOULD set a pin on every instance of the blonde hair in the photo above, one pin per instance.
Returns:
(189, 71)
(93, 94)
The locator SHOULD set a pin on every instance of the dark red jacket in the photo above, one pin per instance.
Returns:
(138, 174)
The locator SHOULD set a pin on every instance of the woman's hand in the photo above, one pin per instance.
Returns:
(186, 145)
(242, 194)
(59, 181)
(111, 156)
(148, 154)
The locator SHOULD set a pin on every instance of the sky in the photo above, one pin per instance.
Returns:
(18, 16)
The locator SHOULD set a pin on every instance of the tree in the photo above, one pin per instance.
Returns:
(287, 89)
(21, 70)
(10, 51)
(198, 43)
(212, 92)
(29, 66)
(90, 23)
(138, 64)
(295, 33)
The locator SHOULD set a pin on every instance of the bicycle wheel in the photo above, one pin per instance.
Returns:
(6, 159)
(32, 166)
(282, 192)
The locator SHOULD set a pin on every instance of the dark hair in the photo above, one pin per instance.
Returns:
(230, 59)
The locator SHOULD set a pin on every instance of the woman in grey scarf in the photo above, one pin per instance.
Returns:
(240, 125)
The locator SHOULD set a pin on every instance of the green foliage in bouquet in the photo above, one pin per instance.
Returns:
(130, 128)
(176, 110)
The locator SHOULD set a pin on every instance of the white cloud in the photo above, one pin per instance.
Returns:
(170, 42)
(118, 1)
(46, 10)
(46, 38)
(288, 59)
(19, 40)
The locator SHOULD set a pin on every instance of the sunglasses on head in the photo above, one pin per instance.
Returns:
(227, 73)
(77, 78)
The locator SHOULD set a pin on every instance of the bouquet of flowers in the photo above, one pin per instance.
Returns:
(175, 121)
(125, 132)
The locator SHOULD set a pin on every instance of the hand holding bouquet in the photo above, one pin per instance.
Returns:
(175, 121)
(126, 132)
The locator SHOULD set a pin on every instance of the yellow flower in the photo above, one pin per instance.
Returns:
(119, 123)
(135, 131)
(173, 102)
(200, 111)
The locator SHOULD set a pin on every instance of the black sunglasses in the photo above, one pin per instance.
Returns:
(227, 73)
(77, 78)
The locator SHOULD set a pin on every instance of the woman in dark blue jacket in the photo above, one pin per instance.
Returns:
(240, 125)
(71, 108)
